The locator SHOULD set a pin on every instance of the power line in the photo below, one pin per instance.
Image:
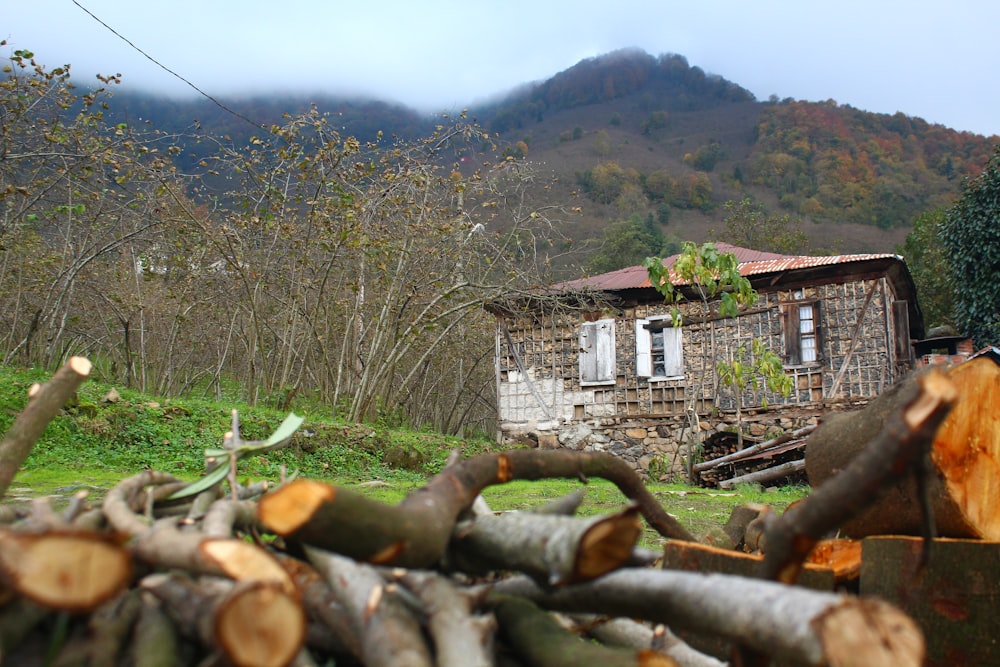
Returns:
(168, 70)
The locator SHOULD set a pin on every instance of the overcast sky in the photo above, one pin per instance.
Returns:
(933, 59)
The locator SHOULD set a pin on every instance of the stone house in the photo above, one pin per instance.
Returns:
(597, 364)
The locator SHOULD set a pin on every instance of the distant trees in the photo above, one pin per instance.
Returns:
(750, 226)
(627, 188)
(705, 157)
(834, 162)
(602, 143)
(972, 247)
(351, 273)
(927, 259)
(699, 191)
(628, 243)
(671, 84)
(605, 181)
(657, 120)
(661, 186)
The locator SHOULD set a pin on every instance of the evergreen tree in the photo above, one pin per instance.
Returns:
(627, 243)
(972, 245)
(928, 263)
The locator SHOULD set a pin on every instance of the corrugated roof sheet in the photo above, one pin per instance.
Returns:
(751, 263)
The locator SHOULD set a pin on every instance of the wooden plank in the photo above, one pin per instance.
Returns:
(954, 599)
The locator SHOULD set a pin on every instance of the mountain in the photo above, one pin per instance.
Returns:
(630, 133)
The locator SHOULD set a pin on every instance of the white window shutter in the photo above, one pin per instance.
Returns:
(673, 355)
(643, 351)
(597, 352)
(605, 350)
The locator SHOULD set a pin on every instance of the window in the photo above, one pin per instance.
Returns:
(658, 353)
(802, 329)
(597, 352)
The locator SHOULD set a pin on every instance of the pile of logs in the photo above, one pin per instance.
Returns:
(308, 573)
(772, 462)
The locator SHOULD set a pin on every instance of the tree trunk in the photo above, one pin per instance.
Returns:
(964, 485)
(953, 598)
(45, 402)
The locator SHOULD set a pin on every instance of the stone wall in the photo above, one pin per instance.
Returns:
(655, 447)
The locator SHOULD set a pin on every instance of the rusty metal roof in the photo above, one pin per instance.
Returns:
(751, 263)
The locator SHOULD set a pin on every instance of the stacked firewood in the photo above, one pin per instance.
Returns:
(308, 573)
(778, 461)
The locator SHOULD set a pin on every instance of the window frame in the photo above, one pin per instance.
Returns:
(793, 336)
(644, 336)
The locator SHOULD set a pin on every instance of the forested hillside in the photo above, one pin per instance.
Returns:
(630, 134)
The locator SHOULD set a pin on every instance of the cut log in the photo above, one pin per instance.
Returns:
(154, 641)
(626, 632)
(460, 638)
(841, 556)
(388, 628)
(17, 620)
(793, 624)
(166, 546)
(108, 630)
(953, 598)
(965, 455)
(252, 623)
(64, 570)
(740, 519)
(556, 550)
(895, 453)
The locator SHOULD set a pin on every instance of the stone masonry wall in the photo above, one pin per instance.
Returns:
(654, 447)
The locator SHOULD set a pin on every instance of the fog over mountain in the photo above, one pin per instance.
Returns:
(925, 59)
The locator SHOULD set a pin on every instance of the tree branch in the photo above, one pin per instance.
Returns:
(416, 532)
(43, 405)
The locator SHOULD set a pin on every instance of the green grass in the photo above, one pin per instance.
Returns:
(96, 443)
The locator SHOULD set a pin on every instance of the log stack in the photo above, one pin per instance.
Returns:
(778, 461)
(949, 584)
(307, 573)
